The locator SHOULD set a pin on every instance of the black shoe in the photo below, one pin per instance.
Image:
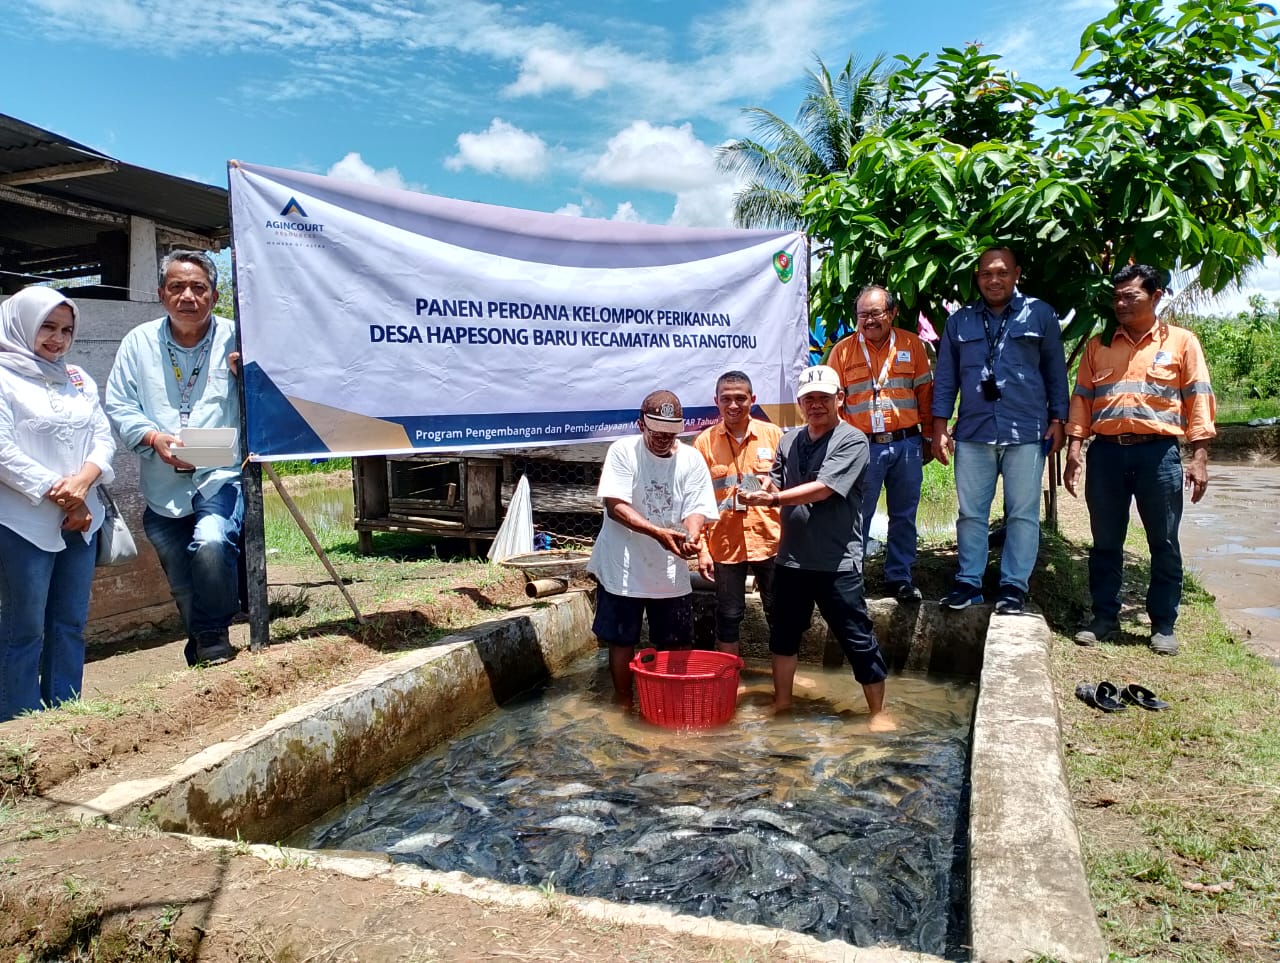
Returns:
(1010, 601)
(189, 652)
(214, 648)
(962, 596)
(1098, 630)
(905, 592)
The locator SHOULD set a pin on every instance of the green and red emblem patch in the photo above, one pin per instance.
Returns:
(783, 265)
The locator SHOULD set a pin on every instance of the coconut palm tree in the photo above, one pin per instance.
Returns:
(834, 115)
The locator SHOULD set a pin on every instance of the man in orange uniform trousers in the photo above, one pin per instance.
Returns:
(888, 390)
(738, 451)
(1136, 397)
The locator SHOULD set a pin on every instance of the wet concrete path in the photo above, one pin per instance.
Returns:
(1231, 540)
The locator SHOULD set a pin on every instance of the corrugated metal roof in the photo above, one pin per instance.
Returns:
(28, 232)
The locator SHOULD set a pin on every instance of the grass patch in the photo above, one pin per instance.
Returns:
(1179, 811)
(17, 771)
(311, 466)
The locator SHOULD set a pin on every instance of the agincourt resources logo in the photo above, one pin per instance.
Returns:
(297, 220)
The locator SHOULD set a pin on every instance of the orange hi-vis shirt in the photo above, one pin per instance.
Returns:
(907, 384)
(1158, 385)
(740, 536)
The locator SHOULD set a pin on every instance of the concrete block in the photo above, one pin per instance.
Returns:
(1028, 895)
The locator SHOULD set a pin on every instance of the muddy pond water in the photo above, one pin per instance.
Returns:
(809, 823)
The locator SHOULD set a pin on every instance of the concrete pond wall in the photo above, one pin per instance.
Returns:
(1028, 895)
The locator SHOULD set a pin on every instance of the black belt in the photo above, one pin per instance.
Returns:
(1131, 439)
(888, 437)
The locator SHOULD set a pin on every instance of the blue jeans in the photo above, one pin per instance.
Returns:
(200, 555)
(977, 467)
(1151, 475)
(44, 604)
(899, 467)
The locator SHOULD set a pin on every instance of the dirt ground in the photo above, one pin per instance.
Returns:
(73, 891)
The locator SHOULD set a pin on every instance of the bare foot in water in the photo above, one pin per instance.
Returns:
(781, 708)
(882, 722)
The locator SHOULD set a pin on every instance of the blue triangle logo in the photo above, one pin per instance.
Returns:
(293, 207)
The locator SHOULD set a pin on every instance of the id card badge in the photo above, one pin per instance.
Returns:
(877, 421)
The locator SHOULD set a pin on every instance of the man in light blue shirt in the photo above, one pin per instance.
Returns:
(1002, 358)
(169, 374)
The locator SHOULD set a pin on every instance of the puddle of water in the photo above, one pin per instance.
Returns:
(809, 823)
(1263, 562)
(323, 508)
(1265, 612)
(1235, 548)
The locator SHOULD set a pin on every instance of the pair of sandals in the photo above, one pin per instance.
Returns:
(1107, 698)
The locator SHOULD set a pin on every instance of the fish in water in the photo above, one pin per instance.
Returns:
(576, 824)
(798, 824)
(420, 841)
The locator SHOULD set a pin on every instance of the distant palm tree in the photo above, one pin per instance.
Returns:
(834, 115)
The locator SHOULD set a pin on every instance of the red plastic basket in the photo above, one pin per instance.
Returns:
(686, 689)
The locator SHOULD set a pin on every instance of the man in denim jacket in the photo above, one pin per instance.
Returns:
(1002, 358)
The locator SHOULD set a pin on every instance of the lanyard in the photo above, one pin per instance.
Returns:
(993, 343)
(184, 391)
(877, 384)
(736, 453)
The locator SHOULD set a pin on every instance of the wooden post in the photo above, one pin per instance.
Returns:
(254, 534)
(255, 554)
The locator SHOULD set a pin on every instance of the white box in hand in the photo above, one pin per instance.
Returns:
(209, 447)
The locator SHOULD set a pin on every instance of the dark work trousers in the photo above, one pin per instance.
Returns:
(1150, 474)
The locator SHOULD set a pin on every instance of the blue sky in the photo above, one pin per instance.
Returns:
(598, 108)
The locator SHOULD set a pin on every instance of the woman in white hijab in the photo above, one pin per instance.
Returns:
(55, 449)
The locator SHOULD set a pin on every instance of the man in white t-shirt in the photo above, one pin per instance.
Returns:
(657, 496)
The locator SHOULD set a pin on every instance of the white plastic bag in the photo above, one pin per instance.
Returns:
(515, 536)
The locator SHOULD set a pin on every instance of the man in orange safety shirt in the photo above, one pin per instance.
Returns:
(738, 451)
(888, 391)
(1136, 396)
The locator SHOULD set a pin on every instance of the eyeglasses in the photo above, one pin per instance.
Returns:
(870, 315)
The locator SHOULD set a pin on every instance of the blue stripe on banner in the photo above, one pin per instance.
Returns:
(274, 425)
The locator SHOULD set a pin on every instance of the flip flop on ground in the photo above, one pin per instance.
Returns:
(1143, 697)
(1104, 696)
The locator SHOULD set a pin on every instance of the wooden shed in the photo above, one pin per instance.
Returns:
(465, 494)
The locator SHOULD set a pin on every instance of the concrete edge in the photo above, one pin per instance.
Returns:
(789, 945)
(1028, 894)
(266, 783)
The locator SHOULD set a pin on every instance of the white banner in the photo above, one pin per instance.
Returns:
(384, 321)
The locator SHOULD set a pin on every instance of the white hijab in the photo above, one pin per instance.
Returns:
(20, 320)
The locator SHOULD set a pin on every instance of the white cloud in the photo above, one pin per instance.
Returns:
(502, 149)
(569, 210)
(546, 71)
(626, 212)
(655, 158)
(705, 206)
(744, 50)
(354, 168)
(1264, 280)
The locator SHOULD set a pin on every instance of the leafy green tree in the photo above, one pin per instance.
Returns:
(834, 115)
(1168, 153)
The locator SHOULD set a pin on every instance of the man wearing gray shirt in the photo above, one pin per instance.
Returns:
(817, 482)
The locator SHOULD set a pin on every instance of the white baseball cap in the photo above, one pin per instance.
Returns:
(818, 378)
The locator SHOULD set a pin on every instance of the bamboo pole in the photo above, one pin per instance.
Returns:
(315, 545)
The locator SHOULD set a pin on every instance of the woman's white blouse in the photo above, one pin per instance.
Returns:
(46, 433)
